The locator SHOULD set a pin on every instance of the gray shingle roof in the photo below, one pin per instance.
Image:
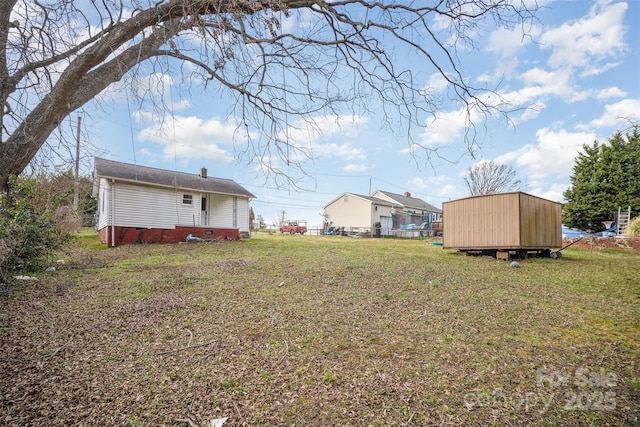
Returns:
(376, 200)
(411, 202)
(104, 168)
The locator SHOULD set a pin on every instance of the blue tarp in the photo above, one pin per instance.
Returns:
(573, 233)
(408, 227)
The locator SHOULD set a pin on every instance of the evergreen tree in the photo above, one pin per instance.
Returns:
(605, 177)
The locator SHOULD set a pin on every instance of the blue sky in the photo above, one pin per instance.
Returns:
(579, 67)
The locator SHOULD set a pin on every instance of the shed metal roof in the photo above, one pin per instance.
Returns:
(111, 169)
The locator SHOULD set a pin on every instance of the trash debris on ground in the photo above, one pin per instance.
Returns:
(217, 422)
(25, 278)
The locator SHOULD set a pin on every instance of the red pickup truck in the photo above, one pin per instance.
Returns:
(294, 226)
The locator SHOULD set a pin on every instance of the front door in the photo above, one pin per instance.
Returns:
(204, 211)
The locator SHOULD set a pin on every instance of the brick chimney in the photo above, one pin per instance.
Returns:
(203, 172)
(407, 194)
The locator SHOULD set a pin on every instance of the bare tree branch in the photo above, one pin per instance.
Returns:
(489, 177)
(56, 57)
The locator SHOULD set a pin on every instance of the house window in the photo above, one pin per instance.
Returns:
(187, 199)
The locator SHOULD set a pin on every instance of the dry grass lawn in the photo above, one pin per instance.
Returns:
(304, 330)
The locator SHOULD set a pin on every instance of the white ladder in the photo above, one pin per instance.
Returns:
(623, 220)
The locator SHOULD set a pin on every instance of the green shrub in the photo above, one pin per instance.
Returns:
(633, 229)
(28, 235)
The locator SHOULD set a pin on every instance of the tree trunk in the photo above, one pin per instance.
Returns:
(74, 89)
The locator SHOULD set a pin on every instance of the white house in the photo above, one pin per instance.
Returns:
(413, 210)
(381, 213)
(138, 204)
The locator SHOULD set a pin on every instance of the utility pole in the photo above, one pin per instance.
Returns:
(77, 174)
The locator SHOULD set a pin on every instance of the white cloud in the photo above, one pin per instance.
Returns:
(623, 112)
(192, 137)
(148, 155)
(352, 167)
(297, 19)
(554, 154)
(531, 112)
(579, 48)
(418, 183)
(411, 149)
(541, 83)
(595, 70)
(507, 42)
(610, 92)
(447, 190)
(553, 192)
(484, 78)
(613, 92)
(181, 104)
(428, 183)
(437, 83)
(313, 136)
(438, 179)
(344, 151)
(595, 37)
(153, 89)
(447, 127)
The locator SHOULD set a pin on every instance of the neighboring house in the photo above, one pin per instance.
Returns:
(413, 211)
(382, 213)
(138, 204)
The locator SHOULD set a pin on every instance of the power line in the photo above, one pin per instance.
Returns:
(289, 205)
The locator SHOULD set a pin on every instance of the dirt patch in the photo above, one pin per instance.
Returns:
(622, 243)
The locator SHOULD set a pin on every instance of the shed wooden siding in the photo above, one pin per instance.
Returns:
(502, 221)
(540, 222)
(351, 211)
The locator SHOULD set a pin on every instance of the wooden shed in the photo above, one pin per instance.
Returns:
(502, 222)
